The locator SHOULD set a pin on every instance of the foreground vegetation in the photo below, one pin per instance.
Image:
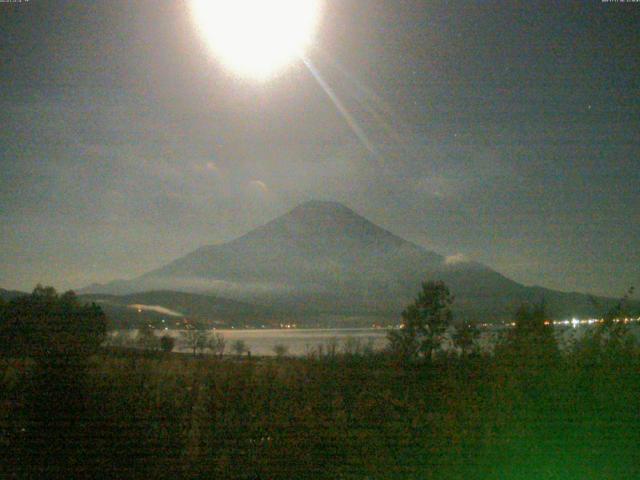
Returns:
(528, 411)
(168, 416)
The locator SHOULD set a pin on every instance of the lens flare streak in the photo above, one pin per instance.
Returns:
(351, 121)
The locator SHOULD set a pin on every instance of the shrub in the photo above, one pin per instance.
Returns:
(167, 343)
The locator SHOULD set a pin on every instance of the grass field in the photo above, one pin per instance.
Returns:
(128, 414)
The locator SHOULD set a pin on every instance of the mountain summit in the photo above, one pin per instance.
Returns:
(319, 255)
(319, 230)
(324, 258)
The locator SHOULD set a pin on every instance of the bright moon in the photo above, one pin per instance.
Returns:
(257, 38)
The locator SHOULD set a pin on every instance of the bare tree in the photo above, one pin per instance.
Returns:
(195, 339)
(332, 346)
(217, 344)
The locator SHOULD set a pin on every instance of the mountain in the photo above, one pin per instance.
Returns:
(322, 258)
(175, 307)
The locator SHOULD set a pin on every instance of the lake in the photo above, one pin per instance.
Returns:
(297, 341)
(303, 341)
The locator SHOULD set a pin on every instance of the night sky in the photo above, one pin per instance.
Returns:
(504, 132)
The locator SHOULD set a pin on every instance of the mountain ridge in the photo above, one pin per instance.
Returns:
(322, 257)
(211, 310)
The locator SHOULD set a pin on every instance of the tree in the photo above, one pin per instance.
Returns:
(352, 346)
(611, 338)
(466, 337)
(120, 339)
(51, 327)
(280, 350)
(59, 333)
(146, 338)
(424, 322)
(195, 338)
(332, 347)
(239, 347)
(167, 343)
(218, 344)
(531, 342)
(613, 330)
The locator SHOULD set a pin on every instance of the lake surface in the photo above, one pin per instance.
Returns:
(296, 341)
(300, 342)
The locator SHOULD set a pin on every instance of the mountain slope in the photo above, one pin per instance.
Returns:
(323, 258)
(177, 306)
(313, 243)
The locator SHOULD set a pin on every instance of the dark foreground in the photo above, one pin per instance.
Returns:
(172, 416)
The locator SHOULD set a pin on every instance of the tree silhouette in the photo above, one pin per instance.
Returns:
(612, 329)
(424, 322)
(146, 338)
(280, 350)
(167, 343)
(466, 337)
(531, 343)
(611, 337)
(239, 347)
(51, 327)
(195, 338)
(218, 344)
(59, 334)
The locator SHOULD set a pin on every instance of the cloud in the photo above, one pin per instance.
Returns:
(155, 308)
(455, 259)
(208, 285)
(259, 184)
